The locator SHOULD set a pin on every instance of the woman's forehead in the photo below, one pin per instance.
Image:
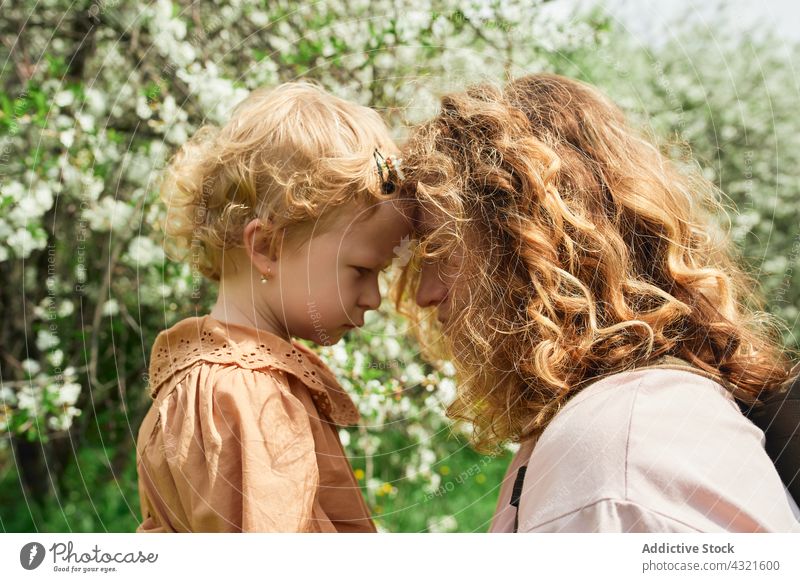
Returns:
(425, 219)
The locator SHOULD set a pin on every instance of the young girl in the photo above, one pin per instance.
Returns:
(286, 209)
(562, 253)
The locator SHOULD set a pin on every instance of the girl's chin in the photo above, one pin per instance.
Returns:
(329, 337)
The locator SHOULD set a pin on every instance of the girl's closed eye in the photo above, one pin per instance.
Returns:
(362, 270)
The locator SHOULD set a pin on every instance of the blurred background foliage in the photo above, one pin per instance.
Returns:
(94, 98)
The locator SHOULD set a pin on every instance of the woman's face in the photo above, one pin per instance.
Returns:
(441, 283)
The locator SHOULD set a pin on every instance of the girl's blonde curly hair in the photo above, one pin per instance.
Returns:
(287, 154)
(587, 253)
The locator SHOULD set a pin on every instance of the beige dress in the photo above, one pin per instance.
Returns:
(242, 436)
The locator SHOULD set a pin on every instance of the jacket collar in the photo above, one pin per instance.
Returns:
(207, 339)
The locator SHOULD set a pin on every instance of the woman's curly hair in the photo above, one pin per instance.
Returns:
(584, 251)
(287, 154)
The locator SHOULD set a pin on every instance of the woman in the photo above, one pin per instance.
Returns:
(562, 253)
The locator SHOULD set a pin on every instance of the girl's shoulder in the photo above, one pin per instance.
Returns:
(202, 341)
(203, 346)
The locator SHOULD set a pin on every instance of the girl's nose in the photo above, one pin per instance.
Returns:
(371, 297)
(432, 291)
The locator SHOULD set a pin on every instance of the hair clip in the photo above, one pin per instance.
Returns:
(391, 165)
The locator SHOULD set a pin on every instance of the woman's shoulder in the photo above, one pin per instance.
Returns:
(635, 412)
(643, 392)
(608, 430)
(660, 438)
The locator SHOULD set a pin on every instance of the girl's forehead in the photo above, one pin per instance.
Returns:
(385, 220)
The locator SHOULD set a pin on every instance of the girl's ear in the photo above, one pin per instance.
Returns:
(257, 237)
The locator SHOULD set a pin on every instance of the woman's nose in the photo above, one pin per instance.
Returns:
(431, 291)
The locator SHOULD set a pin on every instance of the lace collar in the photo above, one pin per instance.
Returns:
(207, 339)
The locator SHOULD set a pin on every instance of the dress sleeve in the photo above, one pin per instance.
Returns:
(244, 457)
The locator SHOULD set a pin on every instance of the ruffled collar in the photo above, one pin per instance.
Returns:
(207, 339)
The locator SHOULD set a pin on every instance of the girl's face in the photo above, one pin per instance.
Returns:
(322, 289)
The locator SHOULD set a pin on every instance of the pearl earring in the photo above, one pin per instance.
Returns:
(265, 277)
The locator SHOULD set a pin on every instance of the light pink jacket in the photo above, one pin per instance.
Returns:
(655, 450)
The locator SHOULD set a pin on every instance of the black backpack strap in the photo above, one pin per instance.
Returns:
(779, 417)
(516, 494)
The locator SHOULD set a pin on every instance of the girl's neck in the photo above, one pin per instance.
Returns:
(230, 312)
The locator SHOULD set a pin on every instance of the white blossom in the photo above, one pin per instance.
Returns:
(442, 524)
(95, 101)
(66, 308)
(85, 121)
(67, 394)
(63, 98)
(414, 374)
(46, 340)
(143, 109)
(64, 420)
(109, 215)
(110, 307)
(7, 396)
(447, 390)
(142, 251)
(92, 186)
(392, 348)
(56, 358)
(23, 242)
(31, 367)
(29, 398)
(67, 137)
(339, 353)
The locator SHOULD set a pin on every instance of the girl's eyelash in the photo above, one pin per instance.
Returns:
(362, 270)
